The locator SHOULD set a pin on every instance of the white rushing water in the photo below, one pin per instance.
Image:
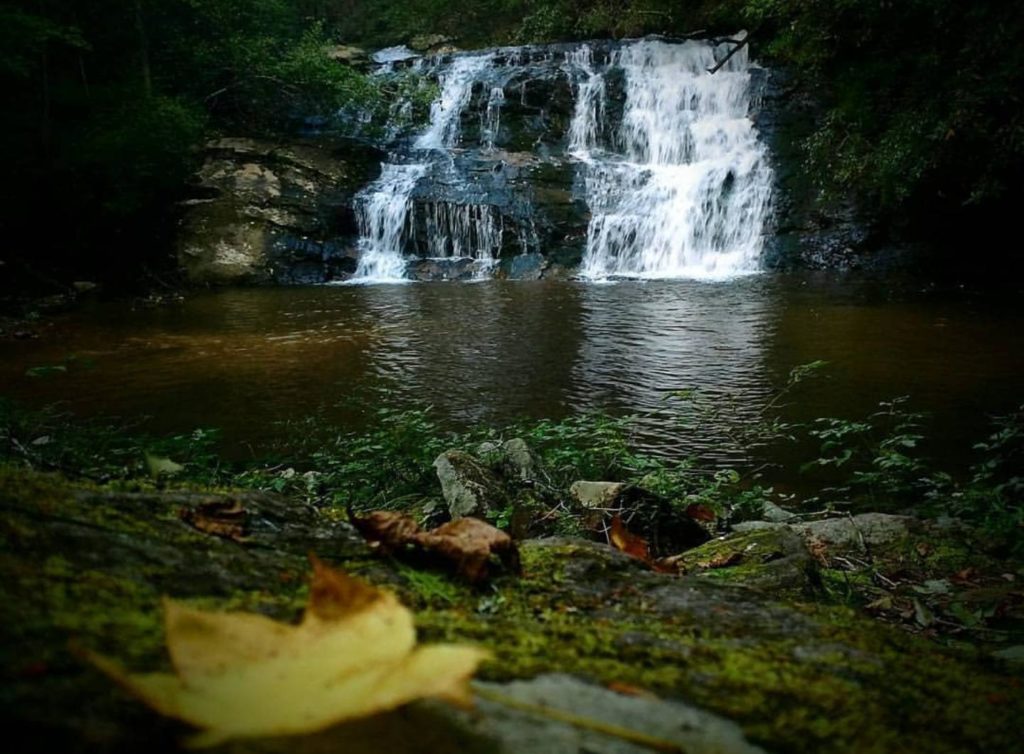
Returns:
(446, 111)
(462, 230)
(382, 211)
(683, 189)
(674, 174)
(384, 208)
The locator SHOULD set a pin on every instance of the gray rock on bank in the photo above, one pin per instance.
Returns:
(468, 486)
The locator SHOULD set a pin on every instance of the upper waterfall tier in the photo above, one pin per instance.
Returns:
(630, 158)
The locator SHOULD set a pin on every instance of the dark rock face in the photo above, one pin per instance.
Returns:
(271, 212)
(807, 234)
(804, 235)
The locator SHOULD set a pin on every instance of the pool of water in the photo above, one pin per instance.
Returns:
(245, 360)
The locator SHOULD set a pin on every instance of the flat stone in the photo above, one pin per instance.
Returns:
(871, 529)
(773, 512)
(426, 42)
(517, 727)
(519, 459)
(347, 54)
(596, 494)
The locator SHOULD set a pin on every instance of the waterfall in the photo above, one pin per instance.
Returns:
(683, 188)
(382, 211)
(446, 111)
(663, 153)
(491, 120)
(462, 230)
(590, 112)
(385, 208)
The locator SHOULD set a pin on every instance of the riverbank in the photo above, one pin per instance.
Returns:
(805, 632)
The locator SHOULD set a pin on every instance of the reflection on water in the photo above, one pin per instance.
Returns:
(244, 360)
(643, 340)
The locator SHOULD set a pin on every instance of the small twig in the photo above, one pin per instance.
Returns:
(860, 534)
(885, 579)
(551, 513)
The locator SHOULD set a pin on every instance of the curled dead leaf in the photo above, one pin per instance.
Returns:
(626, 541)
(467, 543)
(243, 675)
(636, 547)
(221, 518)
(387, 530)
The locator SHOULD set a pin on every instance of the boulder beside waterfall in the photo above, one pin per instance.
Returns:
(273, 212)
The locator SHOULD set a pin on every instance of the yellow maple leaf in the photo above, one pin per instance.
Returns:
(241, 675)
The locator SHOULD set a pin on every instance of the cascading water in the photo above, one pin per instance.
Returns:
(683, 188)
(491, 120)
(589, 113)
(462, 230)
(382, 211)
(384, 214)
(671, 177)
(446, 111)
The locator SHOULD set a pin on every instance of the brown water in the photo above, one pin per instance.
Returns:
(246, 360)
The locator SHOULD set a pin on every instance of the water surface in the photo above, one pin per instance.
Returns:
(245, 360)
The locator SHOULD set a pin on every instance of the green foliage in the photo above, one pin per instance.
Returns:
(876, 454)
(106, 102)
(994, 494)
(872, 462)
(25, 36)
(53, 440)
(587, 446)
(134, 154)
(386, 465)
(917, 94)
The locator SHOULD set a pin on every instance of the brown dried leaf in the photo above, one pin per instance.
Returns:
(700, 512)
(671, 564)
(469, 544)
(221, 518)
(387, 530)
(628, 689)
(624, 540)
(965, 576)
(819, 551)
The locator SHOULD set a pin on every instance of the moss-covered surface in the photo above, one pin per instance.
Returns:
(90, 564)
(798, 677)
(771, 560)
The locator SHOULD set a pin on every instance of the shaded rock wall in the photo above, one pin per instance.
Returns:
(271, 212)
